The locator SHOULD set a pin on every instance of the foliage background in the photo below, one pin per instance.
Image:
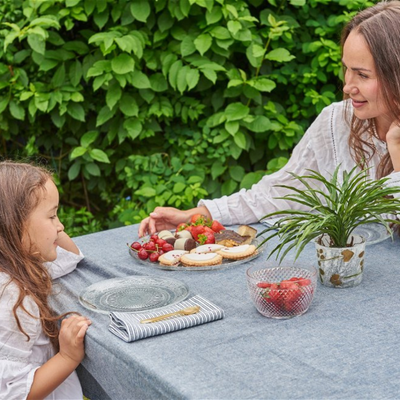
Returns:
(139, 103)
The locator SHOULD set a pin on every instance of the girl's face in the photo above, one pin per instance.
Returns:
(43, 225)
(361, 82)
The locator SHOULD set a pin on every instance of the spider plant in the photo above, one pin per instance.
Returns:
(335, 208)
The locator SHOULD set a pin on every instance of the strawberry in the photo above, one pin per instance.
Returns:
(196, 231)
(206, 238)
(198, 219)
(216, 226)
(263, 285)
(181, 227)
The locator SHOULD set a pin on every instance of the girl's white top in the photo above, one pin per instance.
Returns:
(323, 147)
(20, 358)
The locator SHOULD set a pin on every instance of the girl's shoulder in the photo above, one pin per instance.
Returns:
(9, 293)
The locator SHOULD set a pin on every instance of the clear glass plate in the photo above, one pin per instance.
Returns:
(133, 294)
(372, 233)
(225, 262)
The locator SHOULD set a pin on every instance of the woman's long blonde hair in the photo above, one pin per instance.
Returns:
(21, 189)
(380, 27)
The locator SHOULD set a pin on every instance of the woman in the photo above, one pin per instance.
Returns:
(363, 129)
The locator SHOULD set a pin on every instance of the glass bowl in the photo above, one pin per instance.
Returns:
(282, 291)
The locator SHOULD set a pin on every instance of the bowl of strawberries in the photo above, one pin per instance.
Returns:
(282, 291)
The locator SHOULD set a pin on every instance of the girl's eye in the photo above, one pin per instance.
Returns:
(363, 76)
(53, 217)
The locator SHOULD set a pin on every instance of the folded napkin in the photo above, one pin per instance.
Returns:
(127, 326)
(270, 221)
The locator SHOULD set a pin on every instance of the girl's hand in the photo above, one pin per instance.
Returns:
(71, 337)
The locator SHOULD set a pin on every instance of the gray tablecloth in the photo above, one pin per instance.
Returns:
(344, 347)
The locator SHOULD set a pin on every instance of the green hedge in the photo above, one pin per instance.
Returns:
(142, 103)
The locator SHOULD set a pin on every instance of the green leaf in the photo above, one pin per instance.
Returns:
(232, 127)
(262, 84)
(114, 93)
(280, 55)
(237, 173)
(3, 103)
(88, 138)
(158, 83)
(76, 111)
(37, 43)
(146, 192)
(93, 169)
(140, 80)
(234, 27)
(181, 82)
(187, 46)
(59, 77)
(78, 152)
(203, 43)
(140, 9)
(99, 155)
(240, 140)
(214, 15)
(179, 187)
(133, 126)
(104, 115)
(250, 179)
(236, 111)
(75, 72)
(173, 73)
(122, 64)
(74, 170)
(192, 78)
(217, 169)
(259, 124)
(16, 110)
(128, 106)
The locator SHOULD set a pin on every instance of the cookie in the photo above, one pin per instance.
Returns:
(165, 234)
(200, 260)
(237, 252)
(229, 238)
(184, 234)
(207, 248)
(172, 257)
(184, 244)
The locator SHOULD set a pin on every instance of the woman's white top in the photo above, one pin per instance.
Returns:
(323, 147)
(20, 358)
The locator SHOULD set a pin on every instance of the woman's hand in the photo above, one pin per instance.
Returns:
(393, 144)
(71, 337)
(168, 218)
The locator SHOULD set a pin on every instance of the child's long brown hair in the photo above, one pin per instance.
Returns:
(21, 189)
(380, 27)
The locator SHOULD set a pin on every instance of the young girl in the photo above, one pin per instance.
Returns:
(363, 129)
(37, 360)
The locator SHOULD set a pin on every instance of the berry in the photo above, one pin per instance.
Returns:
(167, 247)
(142, 254)
(153, 238)
(136, 246)
(153, 257)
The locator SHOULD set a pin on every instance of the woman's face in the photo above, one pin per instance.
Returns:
(361, 82)
(43, 225)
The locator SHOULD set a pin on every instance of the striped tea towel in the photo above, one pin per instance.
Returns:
(127, 326)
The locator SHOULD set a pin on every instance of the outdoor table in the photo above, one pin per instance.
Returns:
(346, 346)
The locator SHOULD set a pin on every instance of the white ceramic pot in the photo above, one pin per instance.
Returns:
(340, 267)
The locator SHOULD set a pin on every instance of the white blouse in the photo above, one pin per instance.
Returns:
(323, 147)
(20, 358)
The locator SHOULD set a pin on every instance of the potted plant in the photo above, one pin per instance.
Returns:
(335, 208)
